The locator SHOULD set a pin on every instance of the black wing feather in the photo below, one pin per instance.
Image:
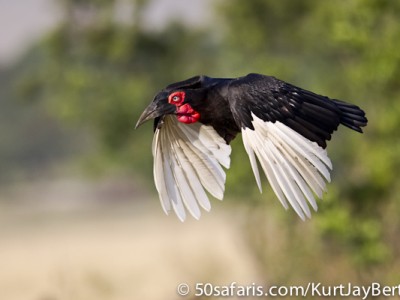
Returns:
(313, 116)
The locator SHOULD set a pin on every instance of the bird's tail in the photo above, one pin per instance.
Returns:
(351, 115)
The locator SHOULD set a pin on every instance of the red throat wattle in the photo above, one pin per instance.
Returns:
(186, 114)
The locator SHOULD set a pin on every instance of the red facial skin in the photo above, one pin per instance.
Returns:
(185, 113)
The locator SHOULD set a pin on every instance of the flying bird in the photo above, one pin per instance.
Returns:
(284, 131)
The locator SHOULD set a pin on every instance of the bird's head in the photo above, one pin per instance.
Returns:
(179, 100)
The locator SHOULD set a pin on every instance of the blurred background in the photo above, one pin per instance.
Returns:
(79, 215)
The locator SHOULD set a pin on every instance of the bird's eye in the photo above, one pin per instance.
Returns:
(176, 98)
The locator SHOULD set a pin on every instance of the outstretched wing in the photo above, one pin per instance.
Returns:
(295, 167)
(187, 163)
(314, 116)
(286, 129)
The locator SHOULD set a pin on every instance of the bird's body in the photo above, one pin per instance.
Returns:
(283, 126)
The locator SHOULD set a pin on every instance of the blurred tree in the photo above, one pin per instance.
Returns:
(31, 140)
(100, 72)
(347, 50)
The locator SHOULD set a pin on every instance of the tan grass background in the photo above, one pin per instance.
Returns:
(68, 239)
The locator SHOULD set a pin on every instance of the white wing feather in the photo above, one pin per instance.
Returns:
(294, 166)
(187, 161)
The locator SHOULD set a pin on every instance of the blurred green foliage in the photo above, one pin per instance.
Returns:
(99, 73)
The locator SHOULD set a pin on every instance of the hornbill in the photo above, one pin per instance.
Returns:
(283, 126)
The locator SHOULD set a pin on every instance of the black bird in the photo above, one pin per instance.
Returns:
(283, 126)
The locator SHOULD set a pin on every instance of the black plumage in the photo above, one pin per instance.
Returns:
(226, 104)
(285, 127)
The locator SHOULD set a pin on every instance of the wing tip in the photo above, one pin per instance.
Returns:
(293, 165)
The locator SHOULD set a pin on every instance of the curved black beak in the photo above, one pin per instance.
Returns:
(157, 108)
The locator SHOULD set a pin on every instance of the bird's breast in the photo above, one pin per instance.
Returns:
(216, 112)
